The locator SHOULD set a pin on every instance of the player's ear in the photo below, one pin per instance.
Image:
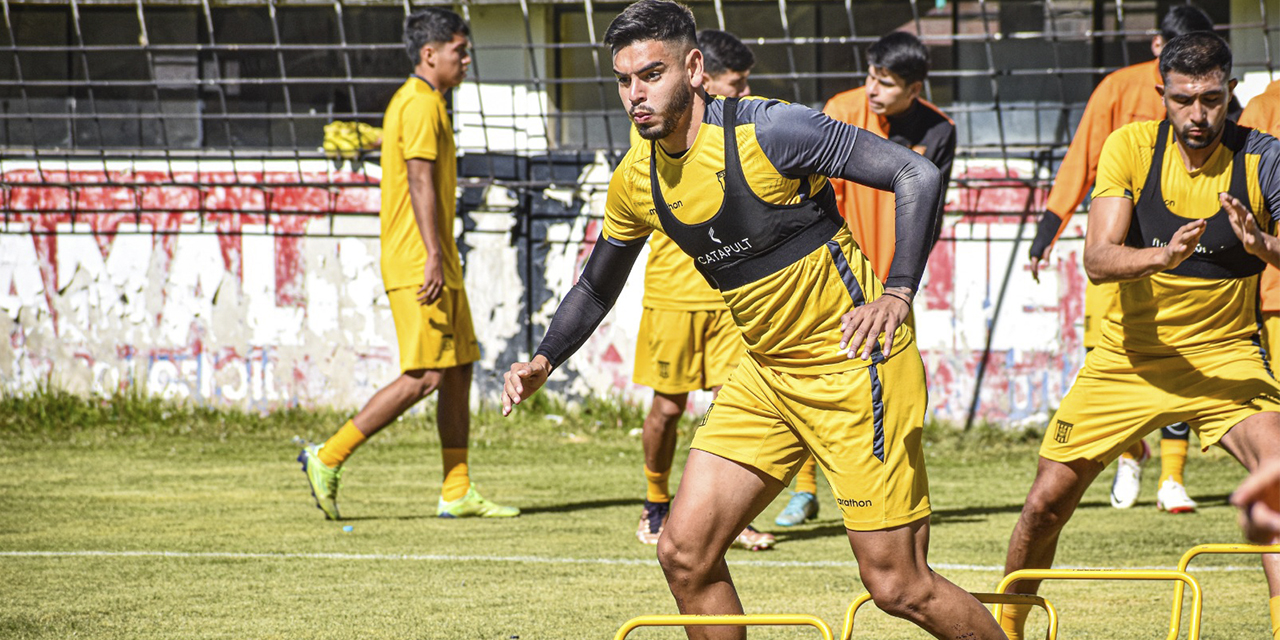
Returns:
(915, 88)
(693, 63)
(1160, 90)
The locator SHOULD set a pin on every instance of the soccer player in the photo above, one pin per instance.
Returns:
(1124, 96)
(830, 368)
(422, 273)
(1263, 113)
(890, 106)
(1181, 218)
(687, 337)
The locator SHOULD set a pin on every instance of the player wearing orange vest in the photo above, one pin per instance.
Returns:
(422, 273)
(687, 340)
(1124, 96)
(1263, 113)
(890, 106)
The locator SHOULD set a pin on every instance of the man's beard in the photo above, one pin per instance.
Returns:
(670, 117)
(1199, 143)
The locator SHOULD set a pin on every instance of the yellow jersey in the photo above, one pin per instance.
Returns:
(1167, 313)
(790, 319)
(417, 126)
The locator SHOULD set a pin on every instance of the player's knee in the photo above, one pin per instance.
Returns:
(665, 410)
(899, 594)
(423, 382)
(681, 563)
(1044, 514)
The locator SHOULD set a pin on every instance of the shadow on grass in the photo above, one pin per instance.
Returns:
(581, 506)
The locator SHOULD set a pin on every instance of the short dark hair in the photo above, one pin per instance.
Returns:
(722, 51)
(1196, 54)
(432, 24)
(660, 20)
(1183, 19)
(901, 53)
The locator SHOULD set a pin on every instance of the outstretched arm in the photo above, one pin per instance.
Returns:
(1108, 259)
(576, 318)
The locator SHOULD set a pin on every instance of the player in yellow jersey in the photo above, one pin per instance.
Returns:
(1124, 96)
(422, 273)
(829, 367)
(1182, 218)
(687, 338)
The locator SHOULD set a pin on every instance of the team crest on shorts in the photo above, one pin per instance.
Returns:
(1063, 432)
(664, 369)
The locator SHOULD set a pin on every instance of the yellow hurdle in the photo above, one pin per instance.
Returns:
(755, 619)
(1199, 549)
(1181, 577)
(985, 598)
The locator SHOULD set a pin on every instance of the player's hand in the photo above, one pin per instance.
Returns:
(1244, 224)
(1183, 243)
(1258, 499)
(1042, 244)
(861, 327)
(432, 281)
(522, 381)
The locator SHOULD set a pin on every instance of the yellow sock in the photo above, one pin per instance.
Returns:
(1275, 618)
(657, 486)
(1133, 453)
(338, 448)
(1013, 617)
(807, 479)
(457, 478)
(1173, 459)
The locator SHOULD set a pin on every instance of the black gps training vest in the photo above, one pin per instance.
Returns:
(1220, 254)
(748, 238)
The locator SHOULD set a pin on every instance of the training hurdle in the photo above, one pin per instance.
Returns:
(1199, 549)
(1181, 577)
(986, 598)
(755, 619)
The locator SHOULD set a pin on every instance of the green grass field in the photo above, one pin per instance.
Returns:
(139, 519)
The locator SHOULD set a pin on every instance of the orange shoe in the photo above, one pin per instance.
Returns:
(652, 519)
(754, 540)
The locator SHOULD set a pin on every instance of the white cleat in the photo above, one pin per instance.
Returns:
(1172, 497)
(1128, 481)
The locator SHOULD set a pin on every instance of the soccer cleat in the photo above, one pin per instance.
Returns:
(1128, 481)
(1172, 497)
(753, 540)
(473, 505)
(652, 518)
(802, 506)
(324, 481)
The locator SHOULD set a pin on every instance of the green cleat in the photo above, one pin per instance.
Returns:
(473, 505)
(324, 481)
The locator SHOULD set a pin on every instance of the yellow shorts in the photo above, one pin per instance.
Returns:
(863, 426)
(1097, 299)
(1271, 336)
(435, 336)
(1117, 399)
(683, 351)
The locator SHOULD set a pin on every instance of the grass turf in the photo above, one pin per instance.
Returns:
(134, 476)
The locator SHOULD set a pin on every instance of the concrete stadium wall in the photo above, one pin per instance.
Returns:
(270, 309)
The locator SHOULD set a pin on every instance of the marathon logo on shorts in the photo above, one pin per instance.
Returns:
(707, 415)
(1063, 432)
(854, 503)
(728, 250)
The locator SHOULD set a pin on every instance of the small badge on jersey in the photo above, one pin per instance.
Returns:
(720, 177)
(1063, 432)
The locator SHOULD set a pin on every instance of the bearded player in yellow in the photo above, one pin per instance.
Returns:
(829, 370)
(687, 339)
(1182, 218)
